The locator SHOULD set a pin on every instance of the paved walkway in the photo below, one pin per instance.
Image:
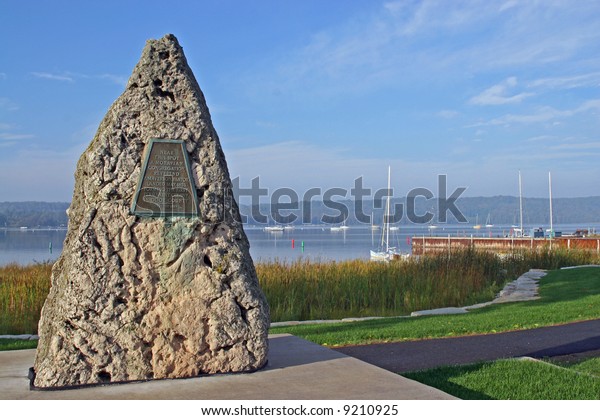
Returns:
(553, 341)
(297, 370)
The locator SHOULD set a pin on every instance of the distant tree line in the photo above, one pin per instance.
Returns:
(33, 214)
(502, 210)
(505, 210)
(499, 210)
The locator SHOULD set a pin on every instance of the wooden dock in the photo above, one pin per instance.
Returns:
(431, 244)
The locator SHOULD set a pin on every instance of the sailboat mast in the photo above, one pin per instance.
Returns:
(387, 215)
(520, 204)
(550, 190)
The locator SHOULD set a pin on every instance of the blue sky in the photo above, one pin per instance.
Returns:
(308, 93)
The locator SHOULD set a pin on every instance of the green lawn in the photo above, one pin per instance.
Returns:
(10, 344)
(515, 379)
(566, 296)
(589, 366)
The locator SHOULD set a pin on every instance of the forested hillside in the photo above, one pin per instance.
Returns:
(502, 210)
(33, 214)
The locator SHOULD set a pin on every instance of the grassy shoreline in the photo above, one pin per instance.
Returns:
(23, 290)
(566, 296)
(304, 290)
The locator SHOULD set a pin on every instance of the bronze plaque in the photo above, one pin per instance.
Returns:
(166, 187)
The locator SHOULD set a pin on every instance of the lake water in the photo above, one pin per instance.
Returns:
(25, 246)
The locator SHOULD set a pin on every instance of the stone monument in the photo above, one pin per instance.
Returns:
(155, 279)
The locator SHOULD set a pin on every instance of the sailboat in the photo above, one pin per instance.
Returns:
(373, 225)
(431, 226)
(518, 231)
(488, 222)
(477, 225)
(385, 252)
(339, 228)
(551, 230)
(274, 229)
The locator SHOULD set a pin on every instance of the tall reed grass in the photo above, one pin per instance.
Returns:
(304, 289)
(23, 290)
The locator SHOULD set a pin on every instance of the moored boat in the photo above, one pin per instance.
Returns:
(385, 252)
(274, 229)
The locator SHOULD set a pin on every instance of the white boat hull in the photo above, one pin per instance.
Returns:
(379, 256)
(274, 229)
(387, 255)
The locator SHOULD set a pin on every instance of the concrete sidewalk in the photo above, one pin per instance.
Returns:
(297, 370)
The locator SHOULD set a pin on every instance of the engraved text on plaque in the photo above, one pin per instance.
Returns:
(166, 187)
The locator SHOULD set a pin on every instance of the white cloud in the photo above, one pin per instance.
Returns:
(499, 94)
(12, 136)
(401, 42)
(590, 105)
(538, 33)
(114, 78)
(544, 138)
(72, 77)
(325, 168)
(7, 104)
(577, 146)
(448, 114)
(431, 16)
(8, 134)
(51, 76)
(508, 5)
(568, 82)
(543, 114)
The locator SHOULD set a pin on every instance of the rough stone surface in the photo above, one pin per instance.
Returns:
(137, 298)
